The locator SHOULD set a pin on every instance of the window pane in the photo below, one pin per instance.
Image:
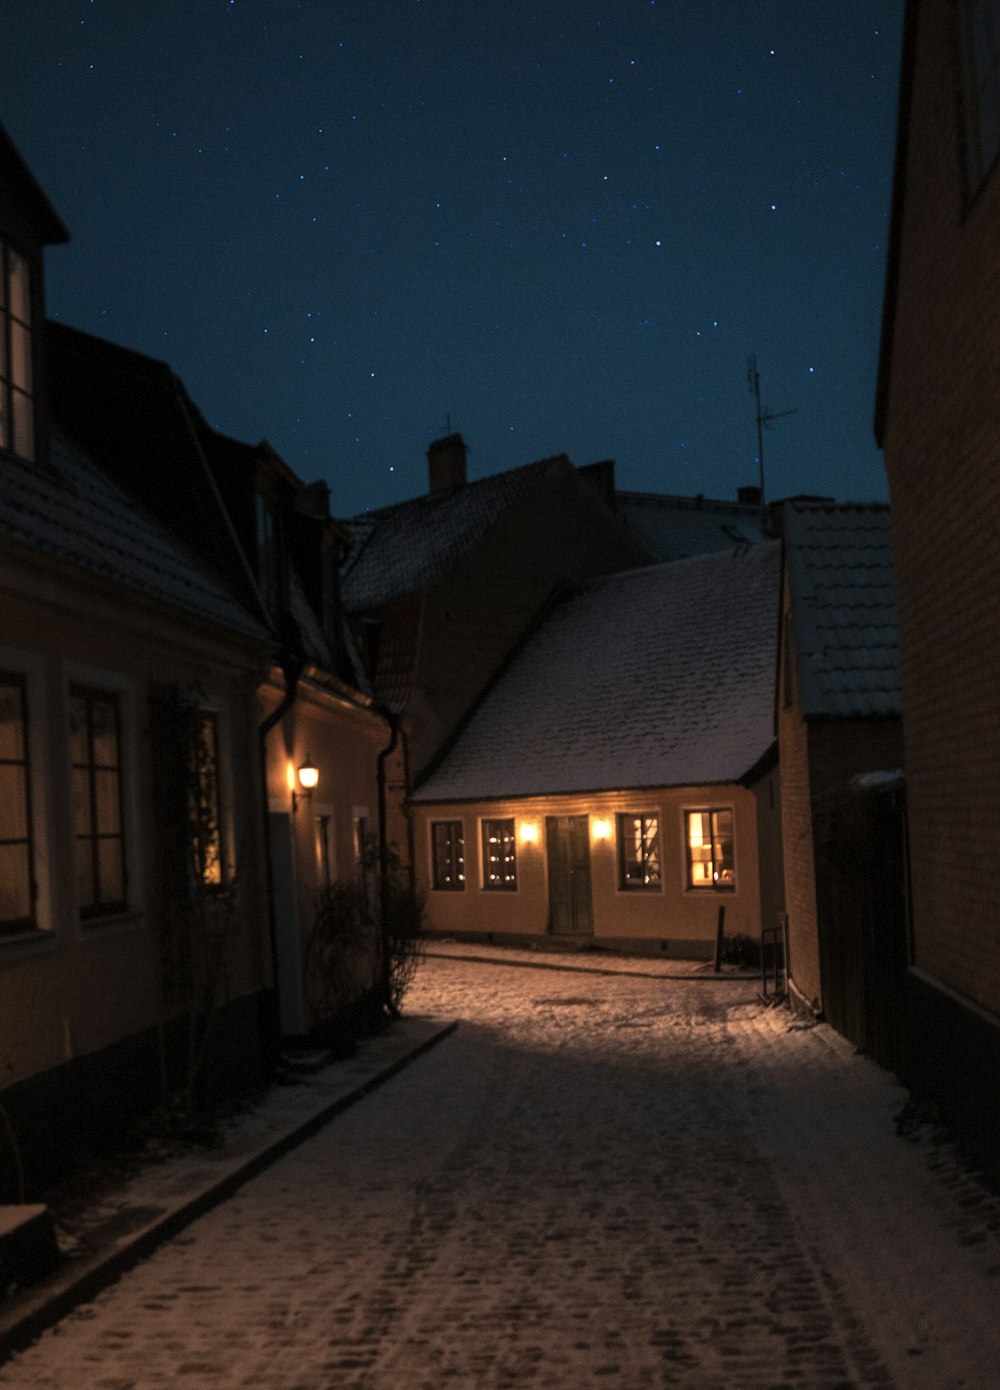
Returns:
(79, 749)
(81, 801)
(13, 802)
(109, 860)
(20, 299)
(85, 886)
(15, 884)
(108, 808)
(24, 425)
(11, 720)
(20, 356)
(104, 729)
(723, 847)
(448, 854)
(499, 860)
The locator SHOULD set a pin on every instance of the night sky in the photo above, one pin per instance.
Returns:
(555, 226)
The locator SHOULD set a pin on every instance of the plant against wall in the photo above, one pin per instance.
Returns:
(364, 948)
(198, 889)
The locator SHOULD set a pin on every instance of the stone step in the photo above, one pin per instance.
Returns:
(28, 1249)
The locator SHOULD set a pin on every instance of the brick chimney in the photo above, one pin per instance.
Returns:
(446, 463)
(748, 496)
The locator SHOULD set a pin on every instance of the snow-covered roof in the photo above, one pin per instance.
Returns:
(74, 513)
(839, 558)
(655, 677)
(675, 528)
(400, 549)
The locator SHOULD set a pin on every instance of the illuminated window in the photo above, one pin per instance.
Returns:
(17, 886)
(17, 403)
(206, 805)
(639, 851)
(982, 95)
(709, 836)
(499, 855)
(95, 751)
(448, 853)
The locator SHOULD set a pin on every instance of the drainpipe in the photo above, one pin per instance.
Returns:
(383, 810)
(291, 669)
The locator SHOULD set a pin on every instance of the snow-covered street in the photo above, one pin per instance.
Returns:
(607, 1176)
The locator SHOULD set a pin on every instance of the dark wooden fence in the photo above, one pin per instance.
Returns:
(861, 891)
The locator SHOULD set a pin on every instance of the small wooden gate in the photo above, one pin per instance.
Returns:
(862, 908)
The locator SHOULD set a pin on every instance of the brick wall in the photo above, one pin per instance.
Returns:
(942, 452)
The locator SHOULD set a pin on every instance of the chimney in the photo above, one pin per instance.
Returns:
(748, 496)
(446, 463)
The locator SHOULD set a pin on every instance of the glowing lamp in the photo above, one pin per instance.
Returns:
(527, 832)
(308, 775)
(601, 828)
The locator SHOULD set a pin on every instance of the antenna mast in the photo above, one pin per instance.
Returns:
(765, 417)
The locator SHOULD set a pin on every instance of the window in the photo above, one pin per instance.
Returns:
(324, 854)
(639, 851)
(95, 752)
(207, 840)
(17, 408)
(982, 96)
(709, 836)
(448, 855)
(17, 870)
(499, 856)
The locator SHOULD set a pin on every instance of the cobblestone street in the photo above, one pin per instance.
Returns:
(605, 1177)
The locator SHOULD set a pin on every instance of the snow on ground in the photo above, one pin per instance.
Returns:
(614, 1177)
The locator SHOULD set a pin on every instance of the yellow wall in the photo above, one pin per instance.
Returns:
(683, 918)
(74, 987)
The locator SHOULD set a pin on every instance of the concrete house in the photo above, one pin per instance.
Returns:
(273, 542)
(103, 610)
(938, 424)
(617, 783)
(838, 709)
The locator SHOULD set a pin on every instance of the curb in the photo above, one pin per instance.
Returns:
(49, 1302)
(745, 978)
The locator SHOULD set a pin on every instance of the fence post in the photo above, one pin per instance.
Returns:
(720, 936)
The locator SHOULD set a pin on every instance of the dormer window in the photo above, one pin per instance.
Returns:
(17, 403)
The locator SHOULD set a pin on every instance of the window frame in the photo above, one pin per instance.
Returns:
(979, 87)
(101, 907)
(18, 926)
(12, 422)
(712, 811)
(218, 843)
(648, 845)
(441, 880)
(510, 883)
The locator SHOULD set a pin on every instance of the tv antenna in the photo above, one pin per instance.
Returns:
(765, 417)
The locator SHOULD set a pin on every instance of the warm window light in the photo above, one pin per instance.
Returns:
(601, 828)
(308, 775)
(527, 832)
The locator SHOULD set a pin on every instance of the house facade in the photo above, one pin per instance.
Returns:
(938, 425)
(838, 708)
(617, 784)
(102, 928)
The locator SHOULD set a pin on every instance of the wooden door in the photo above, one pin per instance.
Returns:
(570, 909)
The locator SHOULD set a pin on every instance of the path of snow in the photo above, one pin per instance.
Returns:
(602, 1179)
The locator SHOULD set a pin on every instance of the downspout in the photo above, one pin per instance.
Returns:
(291, 669)
(383, 811)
